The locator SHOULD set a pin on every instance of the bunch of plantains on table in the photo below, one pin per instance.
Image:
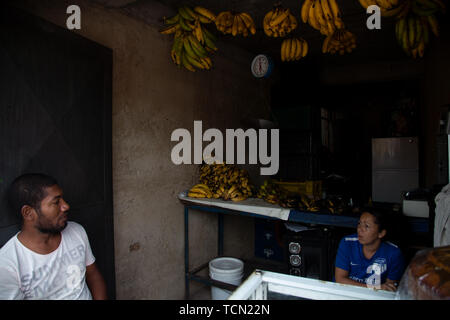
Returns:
(224, 181)
(275, 194)
(329, 205)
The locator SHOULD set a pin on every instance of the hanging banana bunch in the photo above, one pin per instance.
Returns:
(192, 42)
(341, 41)
(279, 22)
(413, 30)
(293, 49)
(412, 34)
(235, 23)
(389, 8)
(322, 15)
(400, 8)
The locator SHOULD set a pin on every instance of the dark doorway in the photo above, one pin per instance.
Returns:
(55, 118)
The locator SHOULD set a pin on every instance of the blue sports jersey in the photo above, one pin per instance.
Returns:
(386, 263)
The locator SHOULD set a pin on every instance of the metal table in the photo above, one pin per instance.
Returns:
(294, 216)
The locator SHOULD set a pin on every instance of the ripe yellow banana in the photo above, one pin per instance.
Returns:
(335, 9)
(312, 17)
(248, 20)
(385, 4)
(198, 32)
(279, 22)
(239, 198)
(293, 49)
(205, 12)
(319, 13)
(201, 185)
(305, 10)
(325, 48)
(207, 61)
(224, 21)
(200, 190)
(170, 29)
(266, 26)
(298, 53)
(283, 50)
(305, 48)
(279, 18)
(330, 27)
(232, 189)
(326, 10)
(395, 11)
(275, 13)
(293, 23)
(235, 27)
(196, 195)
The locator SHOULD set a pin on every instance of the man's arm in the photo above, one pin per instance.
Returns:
(95, 282)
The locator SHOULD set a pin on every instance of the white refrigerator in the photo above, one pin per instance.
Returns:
(395, 168)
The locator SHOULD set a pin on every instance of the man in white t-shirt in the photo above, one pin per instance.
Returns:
(50, 258)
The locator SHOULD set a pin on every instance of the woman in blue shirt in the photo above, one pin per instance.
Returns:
(364, 259)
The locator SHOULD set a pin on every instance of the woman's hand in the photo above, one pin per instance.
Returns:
(388, 286)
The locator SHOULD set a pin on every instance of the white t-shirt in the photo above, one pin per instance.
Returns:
(61, 274)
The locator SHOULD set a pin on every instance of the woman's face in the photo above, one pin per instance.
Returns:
(368, 230)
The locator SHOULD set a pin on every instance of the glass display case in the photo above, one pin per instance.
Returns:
(265, 285)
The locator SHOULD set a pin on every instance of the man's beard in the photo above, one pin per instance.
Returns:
(48, 229)
(51, 230)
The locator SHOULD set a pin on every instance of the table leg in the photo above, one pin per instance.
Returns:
(186, 252)
(220, 235)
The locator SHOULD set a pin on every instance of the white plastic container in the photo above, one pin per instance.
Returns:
(228, 270)
(416, 208)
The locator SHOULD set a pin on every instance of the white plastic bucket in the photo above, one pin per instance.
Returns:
(228, 270)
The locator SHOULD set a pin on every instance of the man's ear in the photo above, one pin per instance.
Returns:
(382, 234)
(28, 212)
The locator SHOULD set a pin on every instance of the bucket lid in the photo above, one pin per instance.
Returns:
(226, 265)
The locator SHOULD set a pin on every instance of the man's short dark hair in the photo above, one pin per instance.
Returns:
(29, 189)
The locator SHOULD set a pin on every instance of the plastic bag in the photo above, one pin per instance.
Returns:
(427, 277)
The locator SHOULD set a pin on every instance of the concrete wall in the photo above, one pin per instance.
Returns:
(151, 98)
